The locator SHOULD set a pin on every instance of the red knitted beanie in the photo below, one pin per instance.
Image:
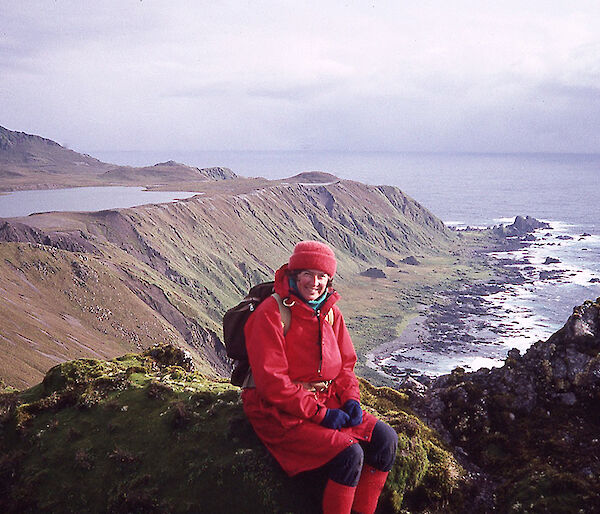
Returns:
(313, 255)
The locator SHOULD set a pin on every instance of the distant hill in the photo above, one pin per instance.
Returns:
(170, 170)
(32, 162)
(20, 152)
(313, 177)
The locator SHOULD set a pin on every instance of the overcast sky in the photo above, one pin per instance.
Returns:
(401, 75)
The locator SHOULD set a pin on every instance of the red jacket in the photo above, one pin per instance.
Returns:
(286, 416)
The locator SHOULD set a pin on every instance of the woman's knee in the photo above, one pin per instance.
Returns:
(381, 451)
(346, 466)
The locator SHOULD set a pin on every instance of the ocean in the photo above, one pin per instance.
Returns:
(474, 190)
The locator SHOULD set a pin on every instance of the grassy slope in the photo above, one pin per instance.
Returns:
(59, 305)
(192, 260)
(142, 434)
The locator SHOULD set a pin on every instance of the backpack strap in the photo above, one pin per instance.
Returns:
(285, 312)
(286, 319)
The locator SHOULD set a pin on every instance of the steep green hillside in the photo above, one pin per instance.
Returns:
(144, 433)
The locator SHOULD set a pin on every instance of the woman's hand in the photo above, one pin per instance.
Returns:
(335, 419)
(352, 408)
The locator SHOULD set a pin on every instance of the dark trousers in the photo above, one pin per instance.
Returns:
(378, 453)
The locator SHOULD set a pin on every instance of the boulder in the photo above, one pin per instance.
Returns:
(374, 273)
(412, 261)
(551, 260)
(521, 227)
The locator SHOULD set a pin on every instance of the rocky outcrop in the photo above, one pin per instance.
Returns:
(217, 173)
(564, 369)
(374, 273)
(411, 260)
(159, 437)
(522, 226)
(551, 260)
(72, 241)
(541, 407)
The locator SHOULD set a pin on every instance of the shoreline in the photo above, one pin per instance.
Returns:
(475, 325)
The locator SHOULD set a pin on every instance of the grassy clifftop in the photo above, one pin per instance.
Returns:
(145, 433)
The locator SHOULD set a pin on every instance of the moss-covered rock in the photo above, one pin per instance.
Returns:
(142, 433)
(533, 424)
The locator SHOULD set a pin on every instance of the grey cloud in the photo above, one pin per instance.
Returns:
(292, 92)
(569, 91)
(30, 31)
(195, 91)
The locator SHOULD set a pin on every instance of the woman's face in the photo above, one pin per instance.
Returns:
(312, 283)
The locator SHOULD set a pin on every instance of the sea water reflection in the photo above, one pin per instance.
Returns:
(23, 203)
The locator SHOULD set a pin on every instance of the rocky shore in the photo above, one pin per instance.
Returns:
(528, 431)
(475, 325)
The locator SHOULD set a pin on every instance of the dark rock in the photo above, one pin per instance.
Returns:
(411, 260)
(412, 386)
(390, 263)
(595, 280)
(374, 273)
(549, 275)
(564, 238)
(528, 224)
(551, 260)
(521, 227)
(548, 394)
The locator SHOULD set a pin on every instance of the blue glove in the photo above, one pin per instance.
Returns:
(335, 419)
(352, 408)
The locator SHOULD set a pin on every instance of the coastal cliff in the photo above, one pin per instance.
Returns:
(147, 433)
(113, 389)
(104, 283)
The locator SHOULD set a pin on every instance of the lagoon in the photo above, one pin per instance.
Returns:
(87, 199)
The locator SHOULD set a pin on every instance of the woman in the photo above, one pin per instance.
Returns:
(305, 403)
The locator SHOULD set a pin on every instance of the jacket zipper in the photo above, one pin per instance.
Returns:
(320, 343)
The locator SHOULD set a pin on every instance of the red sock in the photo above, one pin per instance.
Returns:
(337, 498)
(368, 490)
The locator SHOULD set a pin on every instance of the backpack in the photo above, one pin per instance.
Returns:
(234, 321)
